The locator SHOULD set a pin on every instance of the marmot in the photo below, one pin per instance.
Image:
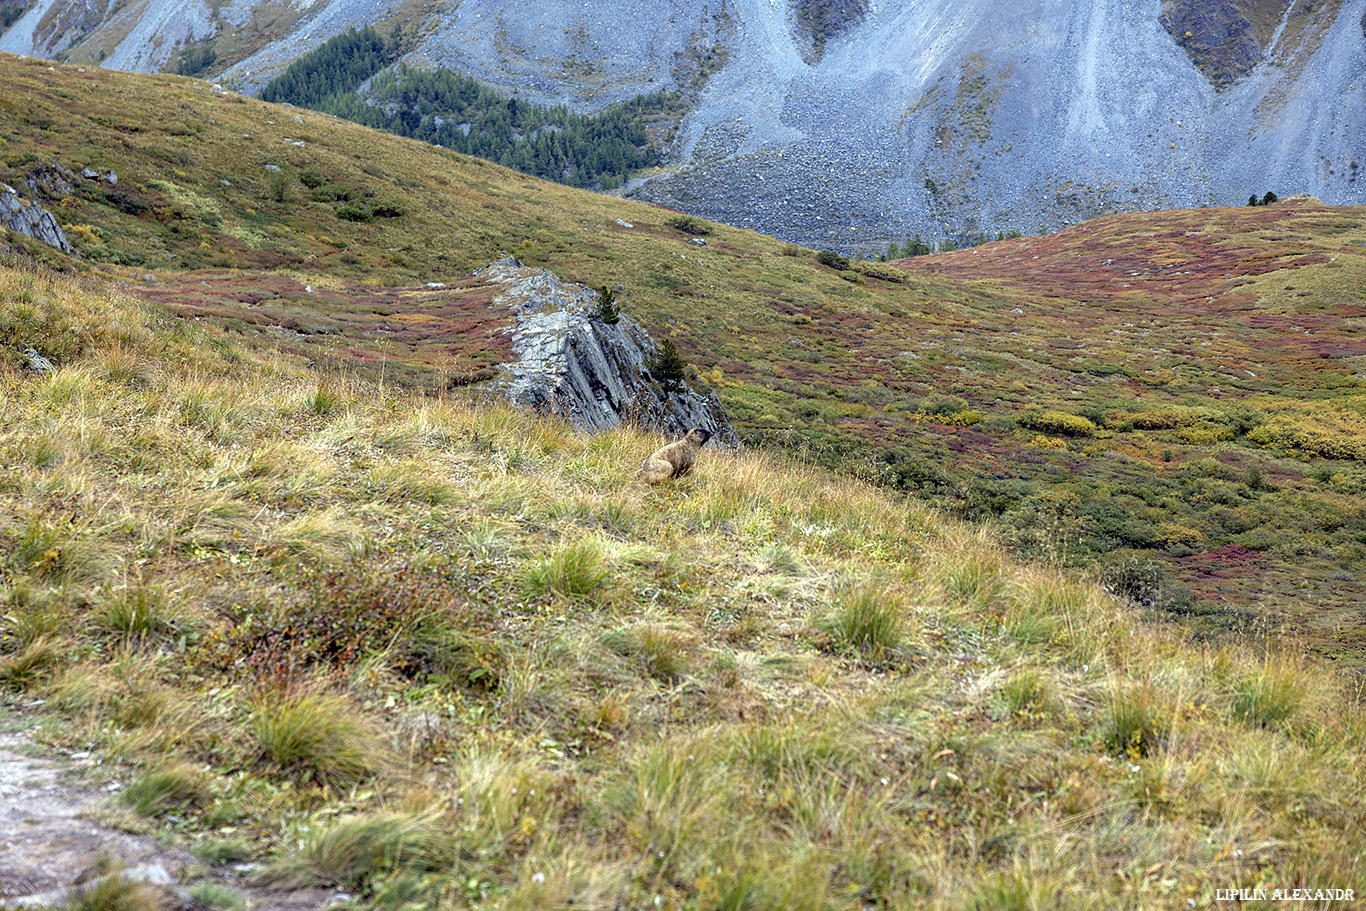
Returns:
(676, 459)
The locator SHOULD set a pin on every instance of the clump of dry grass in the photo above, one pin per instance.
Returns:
(315, 736)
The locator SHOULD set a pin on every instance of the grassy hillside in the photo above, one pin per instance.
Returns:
(443, 657)
(1174, 398)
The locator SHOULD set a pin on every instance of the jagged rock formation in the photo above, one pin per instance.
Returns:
(576, 366)
(31, 220)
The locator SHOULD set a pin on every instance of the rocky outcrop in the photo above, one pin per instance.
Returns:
(1216, 36)
(31, 220)
(825, 20)
(594, 374)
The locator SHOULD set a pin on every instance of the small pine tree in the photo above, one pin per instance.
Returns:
(667, 367)
(1252, 200)
(1269, 198)
(608, 311)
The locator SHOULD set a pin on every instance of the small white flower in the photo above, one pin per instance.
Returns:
(884, 782)
(659, 901)
(1085, 668)
(538, 877)
(1238, 853)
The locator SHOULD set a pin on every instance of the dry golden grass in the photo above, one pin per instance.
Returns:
(760, 686)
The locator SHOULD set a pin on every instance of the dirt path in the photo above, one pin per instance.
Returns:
(51, 839)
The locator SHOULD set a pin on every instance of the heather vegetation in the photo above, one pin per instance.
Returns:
(440, 655)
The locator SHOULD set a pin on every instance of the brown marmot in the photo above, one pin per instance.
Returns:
(676, 459)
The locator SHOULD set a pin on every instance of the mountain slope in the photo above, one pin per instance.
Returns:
(1061, 387)
(446, 656)
(914, 116)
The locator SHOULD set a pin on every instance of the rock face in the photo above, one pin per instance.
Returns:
(31, 220)
(823, 20)
(576, 366)
(1216, 35)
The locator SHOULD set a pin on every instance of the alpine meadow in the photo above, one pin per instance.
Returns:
(1038, 582)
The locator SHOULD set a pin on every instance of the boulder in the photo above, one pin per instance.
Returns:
(31, 220)
(573, 364)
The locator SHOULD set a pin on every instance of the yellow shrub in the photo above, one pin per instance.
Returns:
(1057, 422)
(883, 271)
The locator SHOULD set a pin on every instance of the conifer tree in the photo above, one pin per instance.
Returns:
(667, 367)
(608, 311)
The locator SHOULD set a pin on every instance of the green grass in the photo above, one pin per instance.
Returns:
(314, 736)
(868, 621)
(160, 790)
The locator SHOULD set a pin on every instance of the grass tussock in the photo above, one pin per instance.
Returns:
(315, 736)
(441, 655)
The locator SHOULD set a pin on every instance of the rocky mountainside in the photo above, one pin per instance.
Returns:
(849, 123)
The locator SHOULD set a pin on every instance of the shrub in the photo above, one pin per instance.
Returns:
(312, 178)
(833, 260)
(882, 271)
(1057, 422)
(344, 612)
(690, 225)
(668, 368)
(352, 212)
(388, 208)
(607, 309)
(127, 202)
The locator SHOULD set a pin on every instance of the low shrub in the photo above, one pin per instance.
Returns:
(833, 260)
(1057, 422)
(882, 271)
(689, 225)
(352, 212)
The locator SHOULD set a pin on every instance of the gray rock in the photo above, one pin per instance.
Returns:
(54, 182)
(32, 220)
(576, 366)
(37, 363)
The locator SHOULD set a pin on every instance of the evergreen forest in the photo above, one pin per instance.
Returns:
(349, 76)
